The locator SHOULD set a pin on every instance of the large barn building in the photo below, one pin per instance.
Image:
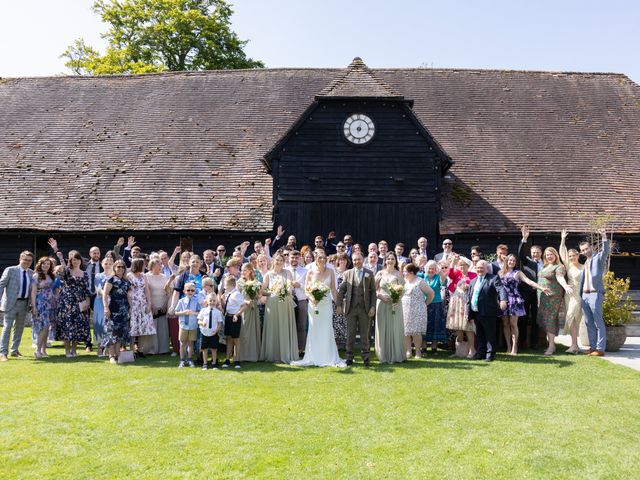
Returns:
(223, 156)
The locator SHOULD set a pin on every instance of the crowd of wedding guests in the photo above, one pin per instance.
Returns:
(254, 305)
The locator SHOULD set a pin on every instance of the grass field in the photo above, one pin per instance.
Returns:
(524, 417)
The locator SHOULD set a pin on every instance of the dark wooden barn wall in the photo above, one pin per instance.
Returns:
(387, 189)
(319, 164)
(367, 222)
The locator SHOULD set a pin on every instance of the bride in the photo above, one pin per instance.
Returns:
(321, 349)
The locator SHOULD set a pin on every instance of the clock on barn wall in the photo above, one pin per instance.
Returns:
(359, 129)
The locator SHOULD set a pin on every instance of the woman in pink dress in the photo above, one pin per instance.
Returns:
(457, 318)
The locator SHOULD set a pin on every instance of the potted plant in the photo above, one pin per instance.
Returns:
(617, 310)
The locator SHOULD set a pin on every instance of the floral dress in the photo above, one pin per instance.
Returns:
(414, 309)
(141, 320)
(72, 324)
(515, 302)
(117, 326)
(549, 306)
(339, 321)
(45, 304)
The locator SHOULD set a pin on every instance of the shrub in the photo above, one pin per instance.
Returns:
(617, 307)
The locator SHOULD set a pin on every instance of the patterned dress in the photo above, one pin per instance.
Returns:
(549, 306)
(414, 309)
(457, 318)
(339, 321)
(72, 324)
(45, 304)
(141, 320)
(515, 302)
(117, 326)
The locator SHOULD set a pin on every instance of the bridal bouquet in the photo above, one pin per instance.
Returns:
(317, 290)
(395, 291)
(281, 290)
(251, 289)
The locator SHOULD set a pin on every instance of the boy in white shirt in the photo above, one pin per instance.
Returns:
(187, 310)
(210, 319)
(233, 305)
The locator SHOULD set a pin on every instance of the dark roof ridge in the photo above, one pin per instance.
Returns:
(326, 69)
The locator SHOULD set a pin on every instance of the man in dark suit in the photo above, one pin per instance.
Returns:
(487, 299)
(530, 266)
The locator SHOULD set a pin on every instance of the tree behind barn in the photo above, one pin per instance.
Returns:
(162, 35)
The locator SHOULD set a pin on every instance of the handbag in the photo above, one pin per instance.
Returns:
(84, 305)
(126, 357)
(462, 349)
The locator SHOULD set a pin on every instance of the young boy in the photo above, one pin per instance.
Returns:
(187, 310)
(210, 319)
(233, 306)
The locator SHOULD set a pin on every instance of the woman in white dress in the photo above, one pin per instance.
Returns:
(572, 302)
(321, 349)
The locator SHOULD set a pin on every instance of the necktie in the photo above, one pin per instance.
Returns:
(23, 293)
(210, 318)
(358, 278)
(476, 293)
(93, 277)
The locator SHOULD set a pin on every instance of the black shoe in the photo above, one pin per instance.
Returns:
(477, 356)
(349, 362)
(367, 362)
(489, 359)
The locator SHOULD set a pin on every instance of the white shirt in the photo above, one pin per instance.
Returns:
(233, 301)
(212, 320)
(299, 274)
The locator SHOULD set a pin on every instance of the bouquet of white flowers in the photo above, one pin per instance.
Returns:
(395, 291)
(317, 290)
(251, 289)
(281, 290)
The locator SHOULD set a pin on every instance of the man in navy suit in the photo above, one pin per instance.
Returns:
(592, 294)
(487, 299)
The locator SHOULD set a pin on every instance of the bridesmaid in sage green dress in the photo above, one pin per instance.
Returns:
(279, 335)
(389, 342)
(250, 331)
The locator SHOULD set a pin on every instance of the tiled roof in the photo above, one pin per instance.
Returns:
(358, 81)
(184, 150)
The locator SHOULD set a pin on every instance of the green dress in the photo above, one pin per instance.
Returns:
(389, 342)
(250, 333)
(549, 306)
(279, 334)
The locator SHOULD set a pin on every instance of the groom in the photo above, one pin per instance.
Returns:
(357, 293)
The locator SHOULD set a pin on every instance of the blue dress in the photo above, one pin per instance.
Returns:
(73, 324)
(515, 303)
(98, 309)
(118, 324)
(45, 304)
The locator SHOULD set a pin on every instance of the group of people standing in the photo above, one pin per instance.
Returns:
(299, 306)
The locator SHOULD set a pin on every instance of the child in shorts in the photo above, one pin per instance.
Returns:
(210, 319)
(187, 311)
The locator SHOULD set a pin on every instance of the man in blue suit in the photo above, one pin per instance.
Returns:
(592, 294)
(487, 299)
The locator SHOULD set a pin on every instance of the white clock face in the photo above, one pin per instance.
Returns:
(359, 129)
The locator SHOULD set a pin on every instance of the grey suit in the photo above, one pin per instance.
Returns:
(358, 298)
(15, 309)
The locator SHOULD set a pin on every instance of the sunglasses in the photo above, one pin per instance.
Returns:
(189, 290)
(447, 243)
(119, 266)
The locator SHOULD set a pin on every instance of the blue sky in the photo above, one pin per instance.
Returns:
(563, 35)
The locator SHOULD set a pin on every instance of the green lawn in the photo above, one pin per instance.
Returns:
(525, 417)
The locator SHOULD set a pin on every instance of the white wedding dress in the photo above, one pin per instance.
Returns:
(321, 349)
